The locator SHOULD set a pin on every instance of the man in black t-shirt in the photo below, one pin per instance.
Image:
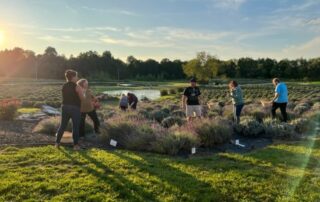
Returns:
(190, 100)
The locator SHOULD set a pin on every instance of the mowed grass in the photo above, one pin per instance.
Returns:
(280, 172)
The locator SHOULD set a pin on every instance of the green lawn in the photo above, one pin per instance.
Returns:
(280, 172)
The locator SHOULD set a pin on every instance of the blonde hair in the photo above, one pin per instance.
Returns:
(81, 82)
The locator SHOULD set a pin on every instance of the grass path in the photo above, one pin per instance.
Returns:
(281, 172)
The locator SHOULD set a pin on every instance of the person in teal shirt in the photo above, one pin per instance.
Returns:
(237, 100)
(280, 99)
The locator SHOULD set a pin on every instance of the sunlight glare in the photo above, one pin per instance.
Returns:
(1, 37)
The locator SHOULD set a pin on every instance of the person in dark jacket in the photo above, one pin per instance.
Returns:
(133, 101)
(71, 103)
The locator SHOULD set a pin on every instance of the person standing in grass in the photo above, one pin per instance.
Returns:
(237, 100)
(280, 99)
(123, 104)
(190, 100)
(133, 101)
(87, 108)
(71, 96)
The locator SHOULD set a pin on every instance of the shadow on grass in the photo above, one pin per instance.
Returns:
(190, 188)
(118, 183)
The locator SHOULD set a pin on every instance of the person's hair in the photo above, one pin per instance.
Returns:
(233, 83)
(70, 74)
(276, 80)
(81, 82)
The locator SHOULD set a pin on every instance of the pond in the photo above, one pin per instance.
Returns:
(150, 94)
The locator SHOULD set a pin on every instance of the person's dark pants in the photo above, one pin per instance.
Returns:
(94, 117)
(283, 108)
(123, 108)
(134, 106)
(237, 112)
(73, 113)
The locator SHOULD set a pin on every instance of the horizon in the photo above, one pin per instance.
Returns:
(173, 29)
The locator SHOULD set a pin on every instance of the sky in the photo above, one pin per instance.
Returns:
(174, 29)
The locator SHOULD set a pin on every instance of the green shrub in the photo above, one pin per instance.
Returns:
(213, 132)
(249, 127)
(301, 108)
(50, 126)
(171, 121)
(174, 142)
(8, 109)
(158, 115)
(129, 135)
(164, 92)
(180, 89)
(172, 91)
(301, 125)
(280, 131)
(179, 113)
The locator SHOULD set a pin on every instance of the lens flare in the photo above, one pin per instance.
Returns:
(1, 37)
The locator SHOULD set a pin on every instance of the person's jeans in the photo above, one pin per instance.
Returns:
(94, 117)
(237, 112)
(283, 109)
(73, 113)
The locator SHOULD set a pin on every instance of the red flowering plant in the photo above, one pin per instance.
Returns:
(8, 108)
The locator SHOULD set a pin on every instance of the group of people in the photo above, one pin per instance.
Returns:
(128, 100)
(191, 103)
(78, 102)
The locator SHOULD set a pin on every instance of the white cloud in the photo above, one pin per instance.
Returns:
(113, 11)
(66, 39)
(228, 4)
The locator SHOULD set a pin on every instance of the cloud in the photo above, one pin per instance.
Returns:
(228, 4)
(113, 11)
(310, 48)
(66, 39)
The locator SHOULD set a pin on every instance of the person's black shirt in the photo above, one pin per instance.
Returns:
(192, 95)
(70, 95)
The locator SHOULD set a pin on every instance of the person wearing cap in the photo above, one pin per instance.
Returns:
(280, 99)
(190, 100)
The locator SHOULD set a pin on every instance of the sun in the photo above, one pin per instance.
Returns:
(1, 37)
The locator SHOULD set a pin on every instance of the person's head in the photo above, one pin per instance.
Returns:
(83, 83)
(71, 75)
(233, 84)
(275, 81)
(123, 95)
(193, 82)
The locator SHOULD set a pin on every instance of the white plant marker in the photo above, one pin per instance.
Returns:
(113, 143)
(238, 143)
(193, 150)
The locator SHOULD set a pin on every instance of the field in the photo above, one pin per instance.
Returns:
(281, 172)
(152, 165)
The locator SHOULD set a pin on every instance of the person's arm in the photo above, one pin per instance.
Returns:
(80, 92)
(184, 101)
(277, 94)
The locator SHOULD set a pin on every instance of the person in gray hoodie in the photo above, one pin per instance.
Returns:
(237, 100)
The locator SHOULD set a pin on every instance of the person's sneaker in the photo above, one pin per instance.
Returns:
(76, 147)
(57, 145)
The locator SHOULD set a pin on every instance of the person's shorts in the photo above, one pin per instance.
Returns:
(193, 110)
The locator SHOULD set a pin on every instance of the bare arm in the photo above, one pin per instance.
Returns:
(79, 90)
(184, 100)
(276, 95)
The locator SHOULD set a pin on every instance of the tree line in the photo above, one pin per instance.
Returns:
(50, 65)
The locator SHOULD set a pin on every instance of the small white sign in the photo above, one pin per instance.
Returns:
(193, 150)
(113, 143)
(237, 142)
